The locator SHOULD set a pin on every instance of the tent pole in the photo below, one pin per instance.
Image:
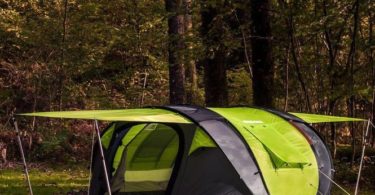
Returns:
(91, 160)
(22, 155)
(102, 157)
(330, 179)
(362, 156)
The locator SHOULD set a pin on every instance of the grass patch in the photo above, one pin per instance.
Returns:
(61, 179)
(44, 180)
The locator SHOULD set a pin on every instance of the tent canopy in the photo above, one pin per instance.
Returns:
(162, 115)
(136, 115)
(317, 118)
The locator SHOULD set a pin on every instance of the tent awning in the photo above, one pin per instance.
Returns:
(136, 115)
(317, 118)
(161, 115)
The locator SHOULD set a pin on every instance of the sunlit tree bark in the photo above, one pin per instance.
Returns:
(175, 49)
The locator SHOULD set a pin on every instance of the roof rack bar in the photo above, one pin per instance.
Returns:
(22, 155)
(104, 164)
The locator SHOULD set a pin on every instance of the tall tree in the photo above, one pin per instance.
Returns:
(191, 70)
(261, 43)
(61, 67)
(215, 75)
(372, 64)
(175, 50)
(350, 68)
(332, 53)
(289, 7)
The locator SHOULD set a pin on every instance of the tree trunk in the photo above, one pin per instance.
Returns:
(61, 71)
(191, 70)
(350, 66)
(215, 81)
(373, 103)
(332, 51)
(372, 64)
(261, 43)
(290, 25)
(286, 82)
(352, 129)
(215, 75)
(331, 108)
(175, 49)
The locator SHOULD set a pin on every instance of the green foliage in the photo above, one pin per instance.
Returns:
(115, 55)
(104, 50)
(54, 147)
(239, 87)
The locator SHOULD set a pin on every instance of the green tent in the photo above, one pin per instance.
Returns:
(194, 150)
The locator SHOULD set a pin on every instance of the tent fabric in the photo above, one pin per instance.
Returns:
(134, 131)
(154, 175)
(208, 168)
(150, 152)
(267, 151)
(155, 147)
(317, 118)
(161, 115)
(201, 140)
(107, 136)
(272, 140)
(134, 115)
(278, 180)
(229, 142)
(323, 156)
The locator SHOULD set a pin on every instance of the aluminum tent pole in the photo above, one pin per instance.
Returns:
(22, 155)
(362, 156)
(91, 160)
(102, 157)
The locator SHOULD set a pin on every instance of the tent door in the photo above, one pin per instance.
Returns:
(148, 160)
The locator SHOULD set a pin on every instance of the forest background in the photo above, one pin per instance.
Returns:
(313, 56)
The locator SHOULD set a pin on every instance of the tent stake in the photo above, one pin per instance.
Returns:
(22, 155)
(102, 157)
(362, 156)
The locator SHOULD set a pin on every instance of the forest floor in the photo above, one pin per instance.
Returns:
(45, 180)
(61, 179)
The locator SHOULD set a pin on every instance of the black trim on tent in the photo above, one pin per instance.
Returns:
(220, 130)
(284, 115)
(186, 134)
(207, 171)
